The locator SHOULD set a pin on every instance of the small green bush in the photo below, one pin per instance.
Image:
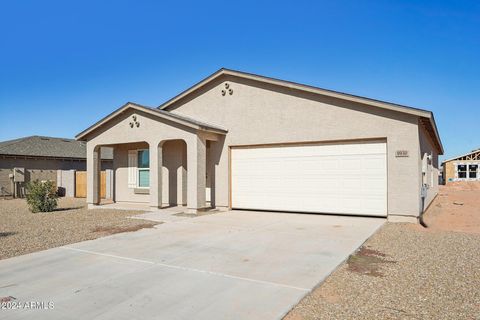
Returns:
(41, 196)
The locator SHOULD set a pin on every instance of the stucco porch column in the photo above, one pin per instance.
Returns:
(93, 175)
(196, 173)
(156, 162)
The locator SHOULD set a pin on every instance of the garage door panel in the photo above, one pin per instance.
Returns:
(343, 178)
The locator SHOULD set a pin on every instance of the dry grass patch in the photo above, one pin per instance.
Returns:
(368, 262)
(107, 230)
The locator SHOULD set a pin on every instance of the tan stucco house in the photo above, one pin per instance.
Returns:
(241, 141)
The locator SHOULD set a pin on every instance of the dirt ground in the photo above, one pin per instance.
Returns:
(23, 232)
(406, 271)
(456, 208)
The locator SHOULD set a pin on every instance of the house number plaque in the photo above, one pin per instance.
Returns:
(401, 153)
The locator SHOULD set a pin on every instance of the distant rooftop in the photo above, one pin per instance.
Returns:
(472, 155)
(39, 146)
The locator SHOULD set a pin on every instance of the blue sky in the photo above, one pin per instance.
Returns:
(65, 64)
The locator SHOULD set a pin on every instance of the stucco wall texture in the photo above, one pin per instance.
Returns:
(431, 176)
(174, 173)
(259, 113)
(41, 169)
(154, 134)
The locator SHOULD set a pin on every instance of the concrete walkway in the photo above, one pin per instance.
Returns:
(233, 265)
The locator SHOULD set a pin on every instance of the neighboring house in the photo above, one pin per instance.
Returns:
(243, 141)
(462, 168)
(40, 158)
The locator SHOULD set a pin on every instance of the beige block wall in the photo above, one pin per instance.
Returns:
(173, 175)
(262, 114)
(120, 166)
(152, 131)
(40, 169)
(431, 175)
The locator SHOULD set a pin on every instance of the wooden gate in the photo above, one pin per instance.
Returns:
(81, 184)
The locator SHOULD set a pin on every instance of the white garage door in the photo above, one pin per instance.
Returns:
(330, 178)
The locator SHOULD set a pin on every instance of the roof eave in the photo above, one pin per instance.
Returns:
(298, 86)
(437, 135)
(292, 85)
(131, 105)
(192, 88)
(460, 156)
(44, 156)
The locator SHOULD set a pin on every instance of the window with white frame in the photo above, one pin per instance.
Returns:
(143, 169)
(462, 171)
(472, 171)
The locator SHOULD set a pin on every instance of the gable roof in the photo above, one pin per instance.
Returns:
(50, 147)
(473, 152)
(186, 121)
(425, 114)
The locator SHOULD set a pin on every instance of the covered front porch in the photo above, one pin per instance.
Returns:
(159, 160)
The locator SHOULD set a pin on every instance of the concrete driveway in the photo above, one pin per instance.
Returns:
(234, 265)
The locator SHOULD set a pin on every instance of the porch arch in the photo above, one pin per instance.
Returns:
(196, 162)
(174, 174)
(155, 129)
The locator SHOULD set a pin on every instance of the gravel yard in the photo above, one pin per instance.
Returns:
(408, 272)
(22, 232)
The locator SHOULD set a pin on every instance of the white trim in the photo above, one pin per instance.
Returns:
(164, 115)
(466, 163)
(273, 178)
(143, 169)
(132, 168)
(138, 180)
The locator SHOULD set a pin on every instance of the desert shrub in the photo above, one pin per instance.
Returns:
(41, 196)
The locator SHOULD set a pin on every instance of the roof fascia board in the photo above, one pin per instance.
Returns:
(179, 120)
(437, 136)
(300, 87)
(193, 88)
(138, 107)
(33, 157)
(463, 155)
(102, 121)
(333, 94)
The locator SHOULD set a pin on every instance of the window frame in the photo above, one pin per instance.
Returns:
(462, 171)
(142, 169)
(473, 171)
